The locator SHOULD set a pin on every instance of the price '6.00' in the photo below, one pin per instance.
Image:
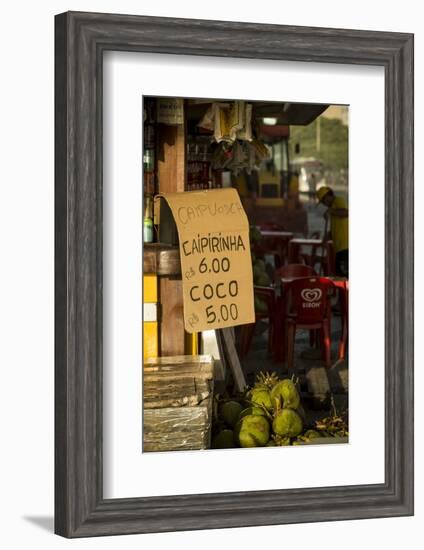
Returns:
(217, 265)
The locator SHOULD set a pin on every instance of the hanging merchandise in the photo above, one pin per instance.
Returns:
(245, 133)
(228, 121)
(241, 155)
(237, 149)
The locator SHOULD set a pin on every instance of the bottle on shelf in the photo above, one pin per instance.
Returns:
(149, 135)
(148, 232)
(149, 160)
(198, 165)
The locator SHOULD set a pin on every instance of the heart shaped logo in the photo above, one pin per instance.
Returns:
(311, 294)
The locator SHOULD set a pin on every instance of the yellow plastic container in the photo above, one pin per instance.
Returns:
(150, 317)
(151, 322)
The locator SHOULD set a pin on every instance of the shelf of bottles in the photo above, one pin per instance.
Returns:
(200, 174)
(149, 167)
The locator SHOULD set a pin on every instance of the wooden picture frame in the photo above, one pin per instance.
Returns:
(81, 39)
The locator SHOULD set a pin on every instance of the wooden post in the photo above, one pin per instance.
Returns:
(171, 169)
(171, 158)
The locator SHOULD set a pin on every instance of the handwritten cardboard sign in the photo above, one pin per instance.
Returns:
(216, 265)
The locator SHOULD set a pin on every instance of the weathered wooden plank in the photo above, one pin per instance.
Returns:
(180, 360)
(174, 383)
(318, 387)
(185, 401)
(199, 365)
(184, 428)
(317, 380)
(197, 370)
(170, 392)
(171, 388)
(187, 384)
(177, 386)
(167, 419)
(181, 442)
(173, 396)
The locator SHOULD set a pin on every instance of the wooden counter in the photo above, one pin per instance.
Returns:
(161, 259)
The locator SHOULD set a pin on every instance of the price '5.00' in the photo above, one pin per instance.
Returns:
(224, 311)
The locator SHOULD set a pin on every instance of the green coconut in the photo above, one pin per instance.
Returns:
(260, 264)
(230, 412)
(253, 431)
(259, 386)
(287, 423)
(263, 279)
(312, 434)
(260, 305)
(267, 379)
(223, 440)
(257, 271)
(261, 397)
(252, 411)
(286, 393)
(255, 234)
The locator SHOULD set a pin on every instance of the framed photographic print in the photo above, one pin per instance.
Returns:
(234, 274)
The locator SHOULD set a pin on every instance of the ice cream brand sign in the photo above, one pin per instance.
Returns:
(312, 297)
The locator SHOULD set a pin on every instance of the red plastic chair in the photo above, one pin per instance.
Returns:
(308, 307)
(289, 271)
(267, 295)
(344, 302)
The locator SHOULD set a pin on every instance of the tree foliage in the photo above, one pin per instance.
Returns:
(334, 152)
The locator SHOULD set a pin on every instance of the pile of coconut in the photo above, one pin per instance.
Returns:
(269, 414)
